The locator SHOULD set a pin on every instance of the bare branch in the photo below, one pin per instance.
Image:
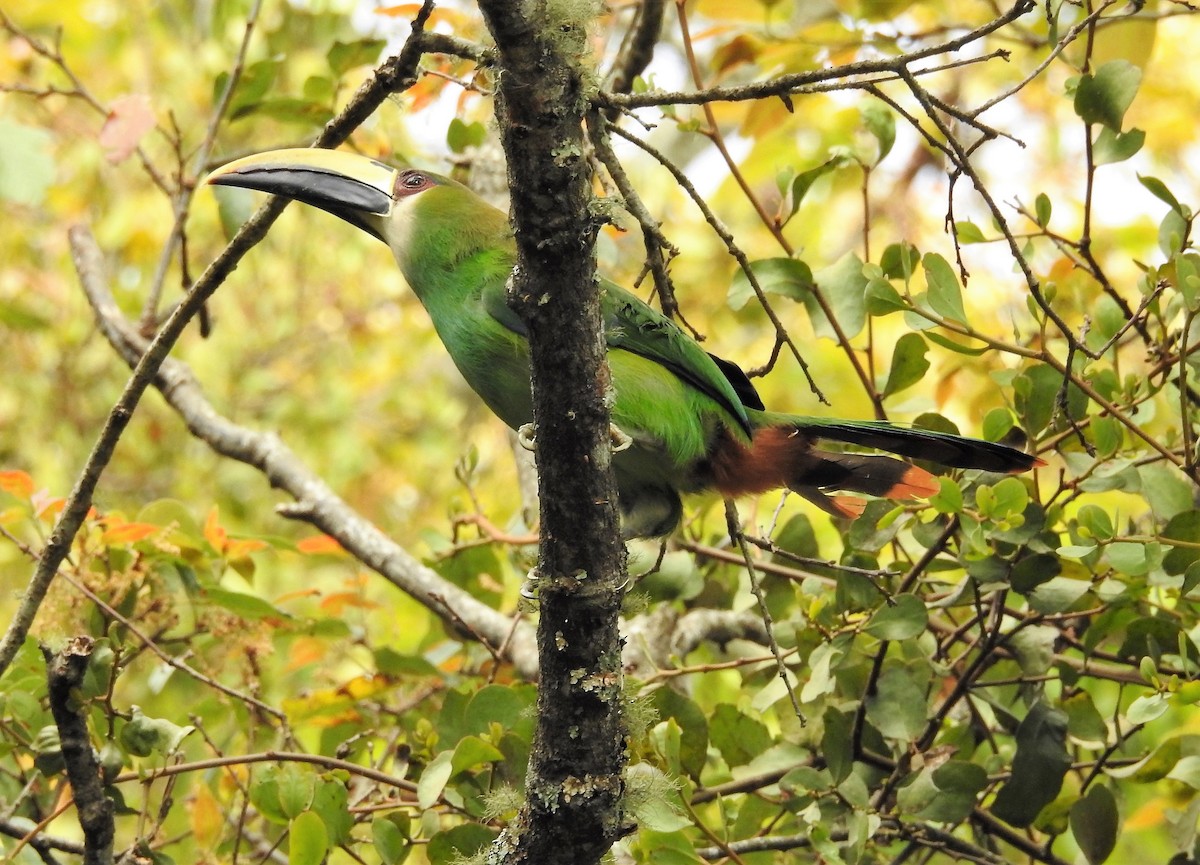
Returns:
(315, 502)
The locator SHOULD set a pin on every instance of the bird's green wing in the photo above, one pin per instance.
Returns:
(633, 325)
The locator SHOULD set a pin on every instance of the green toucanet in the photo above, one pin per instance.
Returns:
(695, 420)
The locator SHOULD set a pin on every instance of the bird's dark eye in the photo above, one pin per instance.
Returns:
(411, 181)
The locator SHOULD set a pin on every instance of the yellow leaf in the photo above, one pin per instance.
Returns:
(205, 815)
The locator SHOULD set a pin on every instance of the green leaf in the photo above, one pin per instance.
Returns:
(837, 745)
(14, 315)
(1035, 394)
(997, 423)
(264, 794)
(319, 88)
(472, 751)
(909, 363)
(906, 617)
(331, 803)
(739, 737)
(26, 163)
(506, 705)
(234, 207)
(844, 286)
(1042, 209)
(1034, 570)
(1184, 527)
(1187, 771)
(1155, 765)
(344, 56)
(1171, 233)
(968, 232)
(252, 86)
(1152, 636)
(1095, 522)
(296, 785)
(389, 662)
(460, 135)
(249, 607)
(945, 294)
(693, 726)
(899, 261)
(389, 842)
(1084, 721)
(308, 842)
(433, 779)
(459, 843)
(897, 708)
(959, 782)
(949, 498)
(1129, 558)
(956, 347)
(287, 109)
(1106, 96)
(946, 794)
(803, 181)
(1034, 648)
(1147, 708)
(142, 736)
(1160, 191)
(1094, 823)
(788, 277)
(881, 298)
(651, 798)
(1038, 768)
(1058, 595)
(1111, 146)
(881, 123)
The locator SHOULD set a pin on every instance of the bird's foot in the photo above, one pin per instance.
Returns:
(529, 590)
(527, 436)
(621, 440)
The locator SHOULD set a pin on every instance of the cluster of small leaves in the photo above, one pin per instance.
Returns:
(381, 748)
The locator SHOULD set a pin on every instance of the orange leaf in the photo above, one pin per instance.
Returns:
(129, 119)
(216, 536)
(129, 533)
(450, 17)
(403, 10)
(296, 595)
(306, 651)
(334, 604)
(320, 545)
(17, 483)
(46, 506)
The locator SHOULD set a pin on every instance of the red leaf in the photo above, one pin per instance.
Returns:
(129, 118)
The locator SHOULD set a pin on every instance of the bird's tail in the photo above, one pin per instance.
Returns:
(784, 453)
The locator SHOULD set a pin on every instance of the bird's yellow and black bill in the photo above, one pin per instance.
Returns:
(356, 188)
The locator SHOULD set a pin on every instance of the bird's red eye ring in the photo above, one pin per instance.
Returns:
(411, 181)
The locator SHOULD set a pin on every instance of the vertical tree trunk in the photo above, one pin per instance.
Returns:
(575, 782)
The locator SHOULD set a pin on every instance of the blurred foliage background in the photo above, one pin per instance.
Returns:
(1050, 616)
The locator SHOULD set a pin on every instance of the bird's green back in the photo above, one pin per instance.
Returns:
(456, 252)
